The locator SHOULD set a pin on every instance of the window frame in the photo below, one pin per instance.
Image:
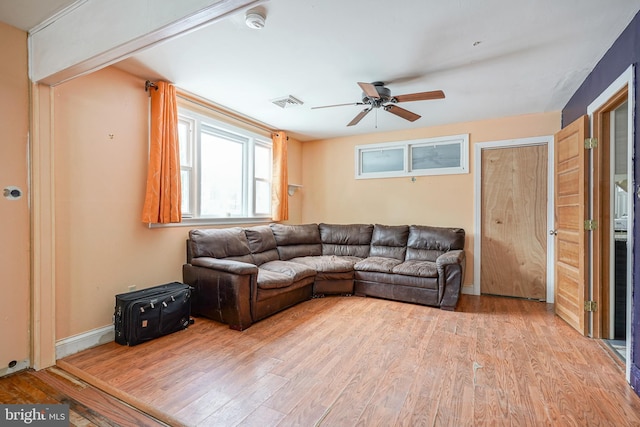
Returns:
(407, 153)
(200, 121)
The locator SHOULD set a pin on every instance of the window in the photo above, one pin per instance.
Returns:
(225, 171)
(433, 156)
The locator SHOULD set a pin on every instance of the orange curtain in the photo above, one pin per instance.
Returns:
(162, 203)
(280, 179)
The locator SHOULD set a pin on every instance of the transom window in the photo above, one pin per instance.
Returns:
(225, 170)
(432, 156)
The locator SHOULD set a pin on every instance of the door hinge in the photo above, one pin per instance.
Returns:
(590, 224)
(590, 306)
(590, 143)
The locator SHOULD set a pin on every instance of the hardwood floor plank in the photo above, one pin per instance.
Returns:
(338, 361)
(87, 405)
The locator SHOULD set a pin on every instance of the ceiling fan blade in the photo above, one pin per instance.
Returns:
(369, 90)
(338, 105)
(420, 96)
(401, 112)
(359, 117)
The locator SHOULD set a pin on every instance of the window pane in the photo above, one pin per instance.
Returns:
(183, 138)
(262, 162)
(385, 160)
(263, 198)
(185, 185)
(436, 156)
(221, 176)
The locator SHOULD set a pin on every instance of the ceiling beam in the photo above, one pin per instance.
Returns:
(93, 34)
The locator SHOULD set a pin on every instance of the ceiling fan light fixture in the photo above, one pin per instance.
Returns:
(254, 20)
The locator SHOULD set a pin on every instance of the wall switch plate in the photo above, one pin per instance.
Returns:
(132, 288)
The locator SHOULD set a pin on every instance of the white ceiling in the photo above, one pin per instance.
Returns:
(493, 58)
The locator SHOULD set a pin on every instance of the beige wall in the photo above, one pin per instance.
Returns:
(102, 247)
(14, 226)
(332, 194)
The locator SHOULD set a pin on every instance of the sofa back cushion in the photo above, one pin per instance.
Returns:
(428, 243)
(346, 239)
(389, 241)
(297, 240)
(262, 244)
(224, 243)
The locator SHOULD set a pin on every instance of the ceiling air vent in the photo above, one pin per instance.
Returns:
(287, 102)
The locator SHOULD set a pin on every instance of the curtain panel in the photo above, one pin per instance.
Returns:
(280, 178)
(162, 202)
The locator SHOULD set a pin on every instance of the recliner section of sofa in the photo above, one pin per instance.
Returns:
(242, 275)
(417, 264)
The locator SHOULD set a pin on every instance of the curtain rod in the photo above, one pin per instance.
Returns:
(206, 104)
(149, 84)
(202, 103)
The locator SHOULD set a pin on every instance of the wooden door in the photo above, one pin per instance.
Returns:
(571, 209)
(514, 222)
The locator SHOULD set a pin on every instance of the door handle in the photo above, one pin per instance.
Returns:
(553, 232)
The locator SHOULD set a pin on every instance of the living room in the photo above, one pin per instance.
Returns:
(88, 172)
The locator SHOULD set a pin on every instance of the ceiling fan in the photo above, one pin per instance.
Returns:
(377, 95)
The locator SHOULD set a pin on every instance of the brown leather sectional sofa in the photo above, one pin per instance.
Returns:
(242, 275)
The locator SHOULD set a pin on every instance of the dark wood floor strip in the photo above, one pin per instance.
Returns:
(87, 405)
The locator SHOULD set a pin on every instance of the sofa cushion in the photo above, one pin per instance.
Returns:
(273, 280)
(382, 280)
(328, 263)
(377, 264)
(346, 239)
(389, 241)
(417, 268)
(297, 240)
(224, 243)
(262, 244)
(428, 243)
(281, 274)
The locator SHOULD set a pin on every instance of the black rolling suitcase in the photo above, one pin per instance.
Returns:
(153, 312)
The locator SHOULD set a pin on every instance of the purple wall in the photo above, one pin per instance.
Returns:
(624, 52)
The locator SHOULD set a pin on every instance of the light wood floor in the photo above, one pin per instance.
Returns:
(345, 361)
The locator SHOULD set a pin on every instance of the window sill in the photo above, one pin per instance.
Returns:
(196, 222)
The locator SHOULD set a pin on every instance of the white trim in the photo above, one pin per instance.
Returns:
(74, 344)
(625, 79)
(469, 289)
(547, 140)
(59, 14)
(19, 366)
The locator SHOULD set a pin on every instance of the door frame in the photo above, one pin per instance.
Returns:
(626, 79)
(547, 140)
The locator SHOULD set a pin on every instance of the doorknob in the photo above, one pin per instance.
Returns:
(553, 232)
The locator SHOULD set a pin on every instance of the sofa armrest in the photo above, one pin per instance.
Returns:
(221, 295)
(450, 267)
(226, 265)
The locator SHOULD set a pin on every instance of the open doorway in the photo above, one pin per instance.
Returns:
(612, 206)
(615, 290)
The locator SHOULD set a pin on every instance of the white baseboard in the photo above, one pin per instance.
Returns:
(469, 290)
(68, 346)
(19, 366)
